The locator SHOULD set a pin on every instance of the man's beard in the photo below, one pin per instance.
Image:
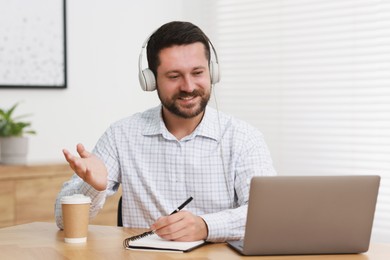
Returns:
(171, 106)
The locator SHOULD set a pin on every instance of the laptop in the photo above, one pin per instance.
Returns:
(296, 215)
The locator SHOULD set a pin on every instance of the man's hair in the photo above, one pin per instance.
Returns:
(174, 33)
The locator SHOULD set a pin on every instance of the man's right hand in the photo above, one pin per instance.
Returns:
(88, 167)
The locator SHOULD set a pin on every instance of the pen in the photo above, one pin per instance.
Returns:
(151, 232)
(182, 206)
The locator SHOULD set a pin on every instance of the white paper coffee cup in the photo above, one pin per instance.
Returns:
(75, 216)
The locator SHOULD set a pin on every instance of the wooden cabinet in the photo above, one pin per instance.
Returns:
(28, 193)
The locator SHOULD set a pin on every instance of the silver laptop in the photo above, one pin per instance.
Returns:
(290, 215)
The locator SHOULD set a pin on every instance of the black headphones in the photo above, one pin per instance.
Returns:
(147, 79)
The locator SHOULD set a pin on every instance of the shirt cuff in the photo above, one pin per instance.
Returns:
(97, 198)
(217, 231)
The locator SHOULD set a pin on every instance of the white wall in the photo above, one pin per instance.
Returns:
(104, 40)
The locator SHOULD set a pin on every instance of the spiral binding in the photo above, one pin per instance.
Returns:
(126, 242)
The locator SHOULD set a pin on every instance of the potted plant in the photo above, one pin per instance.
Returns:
(13, 142)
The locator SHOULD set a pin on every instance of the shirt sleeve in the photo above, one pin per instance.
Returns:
(254, 159)
(105, 151)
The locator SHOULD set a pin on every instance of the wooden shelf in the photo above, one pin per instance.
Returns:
(28, 193)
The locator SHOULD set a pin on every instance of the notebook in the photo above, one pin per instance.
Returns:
(291, 215)
(155, 243)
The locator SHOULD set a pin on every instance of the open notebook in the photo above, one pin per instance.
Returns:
(154, 242)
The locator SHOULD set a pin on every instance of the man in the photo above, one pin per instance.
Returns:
(179, 149)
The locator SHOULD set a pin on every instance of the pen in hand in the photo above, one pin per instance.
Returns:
(151, 232)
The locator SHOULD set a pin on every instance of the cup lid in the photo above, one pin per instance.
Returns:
(75, 199)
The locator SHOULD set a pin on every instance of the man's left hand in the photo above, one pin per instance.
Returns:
(181, 226)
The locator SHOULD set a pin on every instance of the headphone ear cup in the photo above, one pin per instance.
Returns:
(214, 72)
(147, 80)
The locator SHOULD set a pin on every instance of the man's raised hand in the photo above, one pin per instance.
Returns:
(88, 167)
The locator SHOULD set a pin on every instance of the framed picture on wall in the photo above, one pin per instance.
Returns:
(33, 44)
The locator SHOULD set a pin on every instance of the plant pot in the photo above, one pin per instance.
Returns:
(13, 150)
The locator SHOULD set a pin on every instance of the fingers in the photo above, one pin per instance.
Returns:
(67, 154)
(82, 152)
(169, 227)
(73, 160)
(182, 226)
(74, 163)
(69, 158)
(163, 222)
(88, 167)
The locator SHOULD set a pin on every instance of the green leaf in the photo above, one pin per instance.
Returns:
(12, 126)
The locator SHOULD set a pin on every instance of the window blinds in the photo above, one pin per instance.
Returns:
(314, 77)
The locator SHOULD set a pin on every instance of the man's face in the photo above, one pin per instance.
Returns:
(183, 79)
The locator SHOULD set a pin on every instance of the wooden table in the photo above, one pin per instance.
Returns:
(41, 240)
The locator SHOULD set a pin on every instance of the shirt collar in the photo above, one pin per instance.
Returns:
(153, 121)
(208, 127)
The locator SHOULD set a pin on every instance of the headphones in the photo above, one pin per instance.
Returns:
(147, 79)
